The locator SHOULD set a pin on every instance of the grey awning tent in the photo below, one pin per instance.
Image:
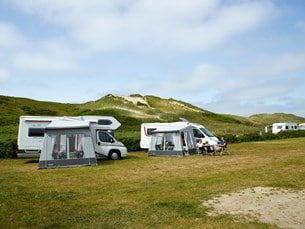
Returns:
(67, 143)
(174, 140)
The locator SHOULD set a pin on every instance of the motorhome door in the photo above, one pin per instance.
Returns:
(104, 141)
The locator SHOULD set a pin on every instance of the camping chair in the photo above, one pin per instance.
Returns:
(223, 150)
(169, 146)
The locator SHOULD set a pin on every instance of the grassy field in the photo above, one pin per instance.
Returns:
(145, 192)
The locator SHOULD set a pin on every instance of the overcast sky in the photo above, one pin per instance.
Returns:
(233, 56)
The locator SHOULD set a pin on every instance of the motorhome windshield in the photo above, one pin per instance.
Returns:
(206, 132)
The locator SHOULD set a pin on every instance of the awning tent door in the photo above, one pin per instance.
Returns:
(67, 147)
(177, 141)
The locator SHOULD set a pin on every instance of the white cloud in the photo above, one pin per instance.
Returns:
(274, 65)
(152, 25)
(263, 79)
(206, 74)
(4, 74)
(10, 37)
(42, 62)
(264, 92)
(246, 108)
(256, 82)
(51, 55)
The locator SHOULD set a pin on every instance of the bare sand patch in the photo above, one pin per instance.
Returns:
(135, 100)
(282, 207)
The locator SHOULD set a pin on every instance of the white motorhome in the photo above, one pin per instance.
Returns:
(277, 127)
(200, 132)
(32, 130)
(301, 126)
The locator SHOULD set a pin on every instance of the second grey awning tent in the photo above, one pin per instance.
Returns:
(67, 143)
(174, 140)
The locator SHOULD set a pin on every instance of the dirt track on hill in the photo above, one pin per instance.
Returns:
(284, 208)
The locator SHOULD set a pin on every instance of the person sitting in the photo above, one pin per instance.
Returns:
(221, 147)
(79, 152)
(57, 154)
(200, 146)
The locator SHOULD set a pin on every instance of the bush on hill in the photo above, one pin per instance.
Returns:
(265, 136)
(8, 148)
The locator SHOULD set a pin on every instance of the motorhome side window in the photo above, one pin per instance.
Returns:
(104, 137)
(36, 132)
(150, 130)
(197, 134)
(104, 122)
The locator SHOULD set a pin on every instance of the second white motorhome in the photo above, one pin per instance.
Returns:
(32, 129)
(277, 127)
(301, 126)
(200, 132)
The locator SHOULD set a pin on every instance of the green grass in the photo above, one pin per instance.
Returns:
(144, 192)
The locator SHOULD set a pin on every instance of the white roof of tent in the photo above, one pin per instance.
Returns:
(172, 128)
(64, 124)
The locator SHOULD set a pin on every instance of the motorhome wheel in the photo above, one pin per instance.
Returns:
(114, 155)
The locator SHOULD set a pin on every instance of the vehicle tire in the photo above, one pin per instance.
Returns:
(114, 155)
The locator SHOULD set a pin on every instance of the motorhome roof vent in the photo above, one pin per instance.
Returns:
(183, 120)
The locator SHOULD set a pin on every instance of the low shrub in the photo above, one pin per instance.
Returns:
(132, 144)
(264, 136)
(291, 134)
(8, 148)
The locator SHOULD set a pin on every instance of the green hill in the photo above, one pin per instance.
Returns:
(133, 110)
(267, 119)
